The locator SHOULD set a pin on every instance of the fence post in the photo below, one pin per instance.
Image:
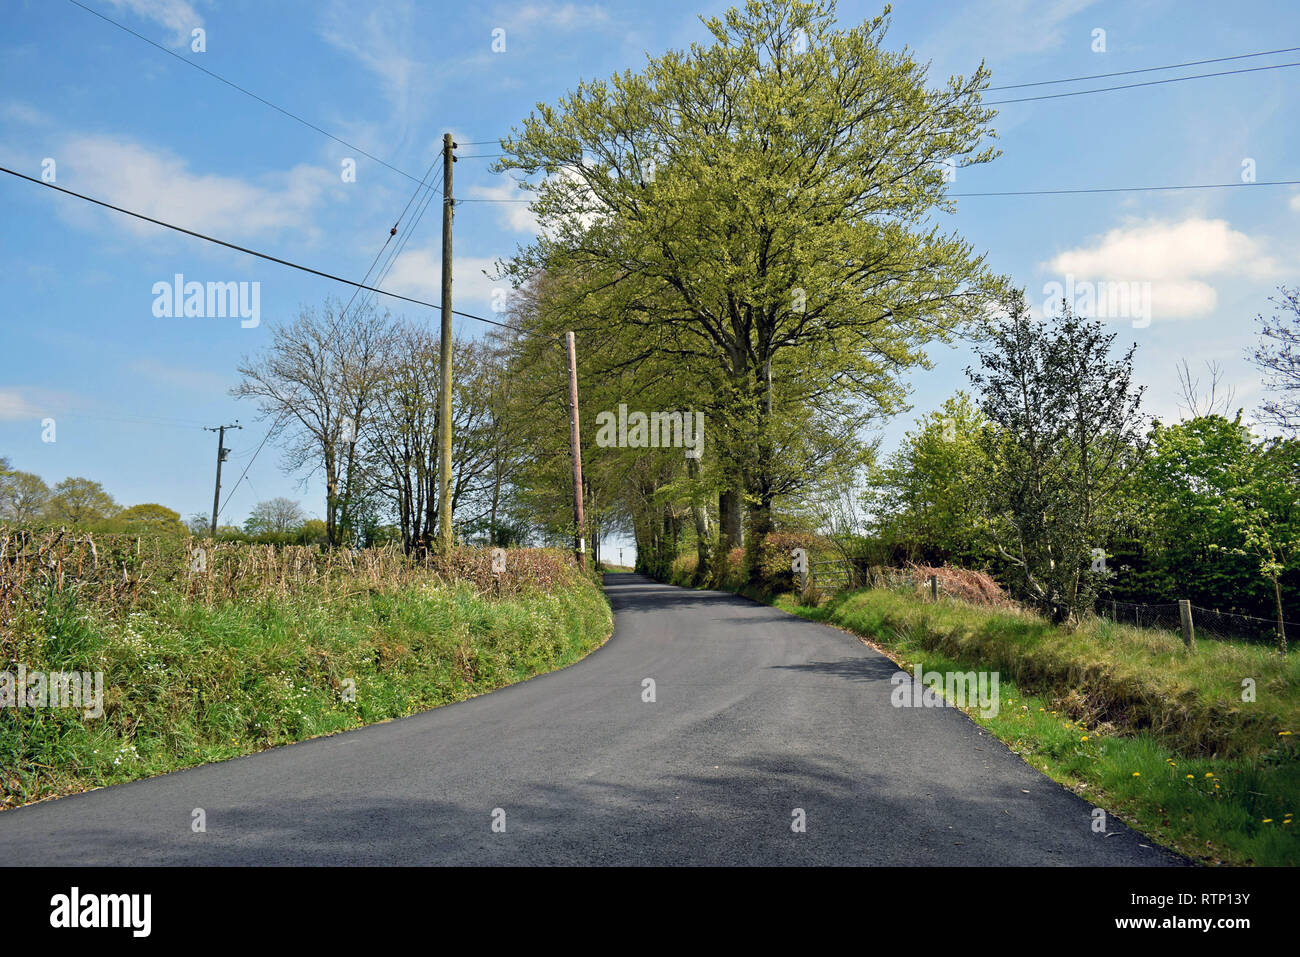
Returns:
(1114, 613)
(1185, 617)
(934, 588)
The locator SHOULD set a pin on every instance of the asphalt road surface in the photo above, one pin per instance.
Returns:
(756, 714)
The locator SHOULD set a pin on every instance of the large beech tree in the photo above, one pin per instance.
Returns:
(761, 210)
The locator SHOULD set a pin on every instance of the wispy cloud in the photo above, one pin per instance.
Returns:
(180, 378)
(174, 15)
(1001, 29)
(15, 407)
(24, 113)
(383, 40)
(560, 16)
(510, 213)
(418, 272)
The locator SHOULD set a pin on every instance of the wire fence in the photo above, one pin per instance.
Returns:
(1210, 623)
(833, 575)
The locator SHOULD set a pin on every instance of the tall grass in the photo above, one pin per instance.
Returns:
(262, 647)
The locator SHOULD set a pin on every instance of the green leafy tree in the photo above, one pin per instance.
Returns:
(758, 210)
(23, 495)
(1265, 506)
(79, 502)
(148, 519)
(1065, 431)
(930, 496)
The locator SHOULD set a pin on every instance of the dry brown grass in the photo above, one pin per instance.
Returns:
(964, 584)
(120, 570)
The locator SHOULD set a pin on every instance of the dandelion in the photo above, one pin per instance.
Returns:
(1268, 820)
(1137, 774)
(1084, 738)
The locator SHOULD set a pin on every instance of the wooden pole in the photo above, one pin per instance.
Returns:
(934, 588)
(579, 539)
(444, 356)
(221, 457)
(1185, 618)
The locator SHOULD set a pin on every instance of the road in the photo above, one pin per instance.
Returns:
(756, 714)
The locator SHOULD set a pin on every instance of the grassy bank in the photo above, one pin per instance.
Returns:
(1123, 716)
(196, 672)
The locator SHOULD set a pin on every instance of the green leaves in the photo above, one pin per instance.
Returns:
(1065, 429)
(758, 214)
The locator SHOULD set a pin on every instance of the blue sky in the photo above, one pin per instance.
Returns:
(130, 392)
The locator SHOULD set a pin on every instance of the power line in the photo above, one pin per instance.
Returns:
(1125, 189)
(1149, 69)
(235, 86)
(244, 249)
(388, 239)
(1130, 86)
(401, 245)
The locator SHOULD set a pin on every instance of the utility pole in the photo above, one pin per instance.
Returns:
(579, 540)
(222, 452)
(444, 355)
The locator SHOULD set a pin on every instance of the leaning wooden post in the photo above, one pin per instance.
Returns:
(934, 587)
(1185, 616)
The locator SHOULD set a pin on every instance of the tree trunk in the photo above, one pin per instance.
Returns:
(1281, 625)
(729, 520)
(703, 534)
(761, 477)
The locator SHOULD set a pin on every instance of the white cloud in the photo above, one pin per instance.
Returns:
(418, 273)
(175, 15)
(1176, 258)
(513, 215)
(1295, 202)
(161, 185)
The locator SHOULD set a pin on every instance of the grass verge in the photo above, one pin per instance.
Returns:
(1124, 717)
(187, 682)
